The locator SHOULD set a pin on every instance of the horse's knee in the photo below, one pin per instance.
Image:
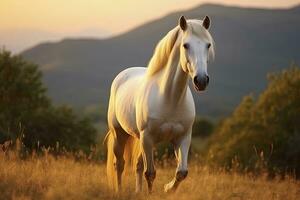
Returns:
(150, 175)
(181, 175)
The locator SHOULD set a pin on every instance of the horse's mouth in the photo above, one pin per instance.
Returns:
(199, 88)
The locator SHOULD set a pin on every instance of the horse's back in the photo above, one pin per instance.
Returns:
(127, 74)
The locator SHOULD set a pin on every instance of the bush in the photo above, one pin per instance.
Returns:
(202, 127)
(262, 133)
(25, 109)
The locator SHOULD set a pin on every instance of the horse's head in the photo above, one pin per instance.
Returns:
(195, 49)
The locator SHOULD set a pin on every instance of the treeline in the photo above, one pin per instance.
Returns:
(28, 114)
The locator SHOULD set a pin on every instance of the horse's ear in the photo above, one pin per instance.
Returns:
(206, 22)
(182, 23)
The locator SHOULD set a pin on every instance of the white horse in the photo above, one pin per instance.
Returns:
(154, 104)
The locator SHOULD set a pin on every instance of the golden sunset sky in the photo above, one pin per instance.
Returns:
(98, 18)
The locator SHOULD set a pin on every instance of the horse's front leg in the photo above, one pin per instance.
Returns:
(181, 152)
(147, 152)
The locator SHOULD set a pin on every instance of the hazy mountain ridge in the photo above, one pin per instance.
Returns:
(16, 40)
(250, 43)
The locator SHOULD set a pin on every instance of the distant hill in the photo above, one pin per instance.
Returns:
(249, 44)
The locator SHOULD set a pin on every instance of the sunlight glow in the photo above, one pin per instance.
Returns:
(113, 16)
(27, 23)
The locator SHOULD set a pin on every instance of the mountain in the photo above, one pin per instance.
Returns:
(16, 40)
(249, 44)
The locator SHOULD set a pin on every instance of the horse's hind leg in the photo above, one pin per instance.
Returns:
(139, 174)
(181, 152)
(118, 148)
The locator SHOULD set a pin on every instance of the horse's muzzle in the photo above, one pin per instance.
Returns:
(201, 82)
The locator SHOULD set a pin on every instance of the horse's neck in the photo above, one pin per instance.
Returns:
(173, 81)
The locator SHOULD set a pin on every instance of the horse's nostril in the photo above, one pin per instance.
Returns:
(207, 79)
(196, 80)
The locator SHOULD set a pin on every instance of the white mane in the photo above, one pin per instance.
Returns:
(162, 52)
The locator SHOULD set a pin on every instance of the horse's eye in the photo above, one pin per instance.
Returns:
(186, 45)
(208, 45)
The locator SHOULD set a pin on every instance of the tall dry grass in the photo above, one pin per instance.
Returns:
(49, 177)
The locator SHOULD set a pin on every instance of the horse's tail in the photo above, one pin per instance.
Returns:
(131, 153)
(110, 169)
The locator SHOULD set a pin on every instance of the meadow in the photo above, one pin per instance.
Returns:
(67, 177)
(257, 144)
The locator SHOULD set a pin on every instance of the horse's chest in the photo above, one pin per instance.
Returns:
(166, 130)
(167, 123)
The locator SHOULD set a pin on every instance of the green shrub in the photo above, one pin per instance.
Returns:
(27, 112)
(202, 127)
(262, 133)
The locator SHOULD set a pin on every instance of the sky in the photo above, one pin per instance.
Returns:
(26, 23)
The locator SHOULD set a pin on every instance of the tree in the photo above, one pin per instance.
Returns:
(265, 131)
(26, 109)
(21, 93)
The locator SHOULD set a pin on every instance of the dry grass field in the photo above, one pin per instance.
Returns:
(47, 177)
